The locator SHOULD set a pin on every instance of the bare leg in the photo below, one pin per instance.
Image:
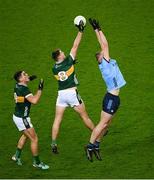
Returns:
(99, 130)
(22, 142)
(20, 146)
(28, 133)
(58, 118)
(106, 129)
(101, 126)
(31, 134)
(81, 110)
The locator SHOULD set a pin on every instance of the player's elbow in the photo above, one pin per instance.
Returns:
(73, 52)
(75, 47)
(105, 45)
(34, 101)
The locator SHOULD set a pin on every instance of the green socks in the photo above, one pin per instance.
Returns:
(18, 153)
(36, 159)
(54, 142)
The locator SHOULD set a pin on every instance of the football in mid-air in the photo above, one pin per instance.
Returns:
(77, 20)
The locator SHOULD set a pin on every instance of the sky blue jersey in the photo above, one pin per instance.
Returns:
(111, 74)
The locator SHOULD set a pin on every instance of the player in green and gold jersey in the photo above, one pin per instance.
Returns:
(68, 95)
(23, 100)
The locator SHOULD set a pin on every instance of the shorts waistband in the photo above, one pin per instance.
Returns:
(112, 94)
(69, 89)
(20, 117)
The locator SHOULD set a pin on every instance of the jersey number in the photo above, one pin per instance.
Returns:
(62, 76)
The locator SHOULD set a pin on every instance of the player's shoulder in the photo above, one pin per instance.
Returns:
(108, 61)
(57, 67)
(70, 57)
(104, 62)
(113, 60)
(20, 88)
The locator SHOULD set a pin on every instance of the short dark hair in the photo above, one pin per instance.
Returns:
(17, 75)
(55, 54)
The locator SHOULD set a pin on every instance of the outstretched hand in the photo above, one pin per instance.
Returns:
(80, 26)
(41, 84)
(95, 24)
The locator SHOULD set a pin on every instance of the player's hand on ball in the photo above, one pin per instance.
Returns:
(41, 84)
(80, 26)
(32, 77)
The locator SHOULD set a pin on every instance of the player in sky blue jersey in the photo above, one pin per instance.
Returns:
(114, 80)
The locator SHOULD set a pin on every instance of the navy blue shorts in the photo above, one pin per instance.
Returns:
(110, 103)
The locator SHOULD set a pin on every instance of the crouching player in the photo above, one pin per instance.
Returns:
(114, 81)
(23, 99)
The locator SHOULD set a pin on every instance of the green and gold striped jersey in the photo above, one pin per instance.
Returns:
(22, 108)
(64, 72)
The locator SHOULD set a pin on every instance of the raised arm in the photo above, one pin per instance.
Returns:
(104, 44)
(77, 40)
(101, 38)
(76, 44)
(34, 99)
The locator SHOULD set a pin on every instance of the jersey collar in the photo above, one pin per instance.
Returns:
(22, 84)
(106, 60)
(59, 62)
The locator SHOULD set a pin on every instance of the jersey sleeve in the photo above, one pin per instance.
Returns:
(70, 59)
(72, 56)
(54, 70)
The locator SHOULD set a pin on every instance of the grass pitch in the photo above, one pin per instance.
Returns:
(29, 31)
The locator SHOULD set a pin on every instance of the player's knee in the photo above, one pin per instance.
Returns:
(105, 125)
(35, 139)
(102, 126)
(92, 126)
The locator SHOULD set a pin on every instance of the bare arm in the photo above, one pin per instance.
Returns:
(101, 38)
(76, 44)
(34, 99)
(103, 43)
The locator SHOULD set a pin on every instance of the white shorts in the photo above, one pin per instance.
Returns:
(68, 97)
(22, 123)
